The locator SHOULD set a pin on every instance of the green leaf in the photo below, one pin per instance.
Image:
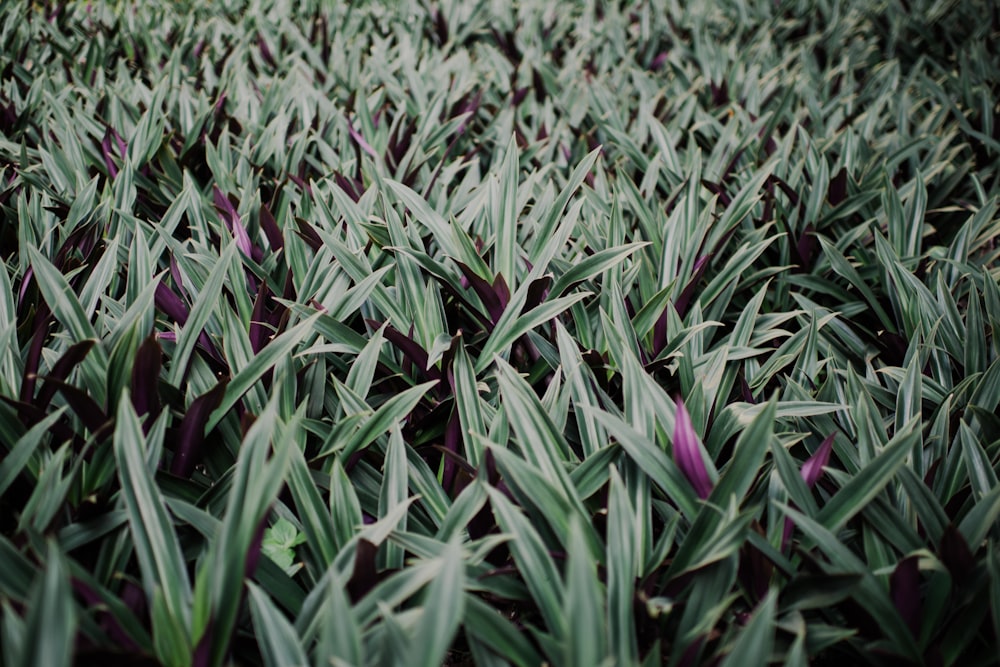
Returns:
(869, 482)
(506, 223)
(756, 640)
(18, 456)
(622, 565)
(393, 493)
(317, 522)
(265, 360)
(483, 624)
(534, 563)
(468, 403)
(339, 633)
(442, 611)
(388, 414)
(50, 627)
(161, 562)
(70, 313)
(587, 268)
(584, 602)
(280, 645)
(652, 460)
(512, 325)
(205, 304)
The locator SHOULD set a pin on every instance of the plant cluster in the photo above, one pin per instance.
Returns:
(443, 332)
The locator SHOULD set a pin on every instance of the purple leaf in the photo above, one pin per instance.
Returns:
(501, 289)
(265, 52)
(253, 553)
(837, 191)
(365, 576)
(452, 439)
(309, 234)
(97, 604)
(351, 188)
(29, 414)
(720, 94)
(173, 307)
(106, 153)
(145, 378)
(202, 656)
(688, 453)
(175, 274)
(904, 586)
(490, 298)
(411, 349)
(232, 221)
(698, 270)
(61, 370)
(220, 104)
(25, 282)
(34, 357)
(482, 318)
(691, 654)
(955, 553)
(259, 333)
(538, 291)
(360, 141)
(191, 435)
(718, 189)
(813, 467)
(271, 229)
(806, 245)
(85, 407)
(108, 150)
(170, 304)
(811, 471)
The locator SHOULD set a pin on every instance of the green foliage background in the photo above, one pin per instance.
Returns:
(355, 333)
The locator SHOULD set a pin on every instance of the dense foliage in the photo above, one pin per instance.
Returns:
(446, 332)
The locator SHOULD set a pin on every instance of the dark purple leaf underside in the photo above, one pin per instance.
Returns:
(86, 408)
(271, 229)
(230, 217)
(538, 291)
(61, 370)
(837, 191)
(34, 357)
(108, 150)
(109, 624)
(904, 585)
(956, 554)
(365, 576)
(146, 377)
(259, 332)
(29, 414)
(492, 299)
(191, 435)
(308, 234)
(173, 307)
(411, 349)
(452, 442)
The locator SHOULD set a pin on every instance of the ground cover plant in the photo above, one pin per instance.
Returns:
(461, 333)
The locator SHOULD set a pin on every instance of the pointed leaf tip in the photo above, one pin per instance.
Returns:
(688, 453)
(812, 469)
